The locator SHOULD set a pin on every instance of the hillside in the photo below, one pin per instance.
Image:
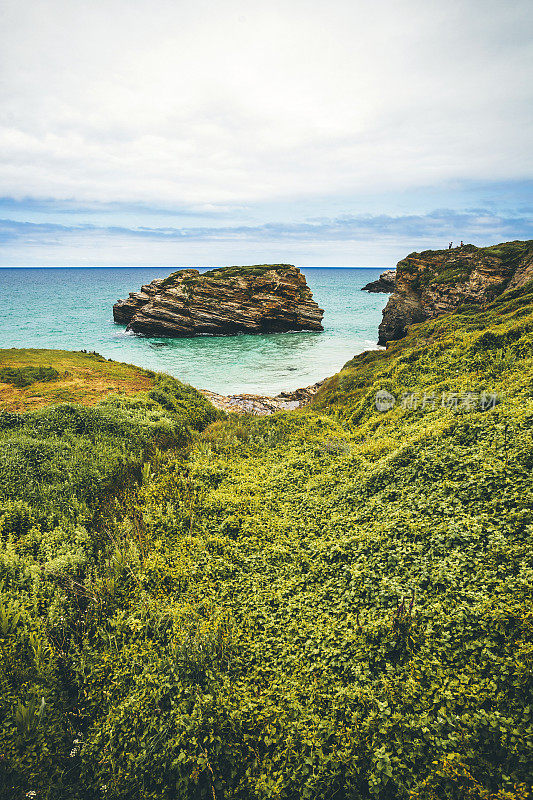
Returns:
(31, 379)
(328, 604)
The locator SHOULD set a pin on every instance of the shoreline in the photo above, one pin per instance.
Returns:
(263, 405)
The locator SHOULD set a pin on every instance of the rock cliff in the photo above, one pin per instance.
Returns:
(437, 282)
(230, 300)
(385, 283)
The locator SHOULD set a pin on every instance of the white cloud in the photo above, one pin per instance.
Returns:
(236, 102)
(361, 240)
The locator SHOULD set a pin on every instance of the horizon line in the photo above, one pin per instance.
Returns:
(179, 266)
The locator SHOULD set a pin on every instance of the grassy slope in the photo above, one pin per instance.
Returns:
(467, 351)
(65, 470)
(85, 378)
(283, 666)
(243, 632)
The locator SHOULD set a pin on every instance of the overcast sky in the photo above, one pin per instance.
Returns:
(341, 132)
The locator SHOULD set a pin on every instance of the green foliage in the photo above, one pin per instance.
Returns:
(221, 273)
(64, 472)
(329, 603)
(173, 277)
(25, 376)
(508, 254)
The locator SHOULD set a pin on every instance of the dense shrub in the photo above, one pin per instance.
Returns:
(63, 470)
(25, 376)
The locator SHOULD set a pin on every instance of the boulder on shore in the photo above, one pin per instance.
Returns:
(265, 298)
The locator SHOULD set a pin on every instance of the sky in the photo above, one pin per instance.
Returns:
(340, 133)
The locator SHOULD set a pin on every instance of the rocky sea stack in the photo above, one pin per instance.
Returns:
(437, 282)
(385, 283)
(264, 298)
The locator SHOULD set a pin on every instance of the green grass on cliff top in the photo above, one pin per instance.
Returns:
(221, 273)
(455, 266)
(251, 271)
(507, 251)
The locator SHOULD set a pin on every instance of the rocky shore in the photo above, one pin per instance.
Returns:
(437, 282)
(262, 405)
(258, 299)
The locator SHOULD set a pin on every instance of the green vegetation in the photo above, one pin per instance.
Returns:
(65, 472)
(25, 376)
(173, 277)
(330, 604)
(458, 274)
(254, 271)
(31, 379)
(509, 254)
(221, 273)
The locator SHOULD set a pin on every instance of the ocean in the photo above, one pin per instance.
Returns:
(72, 309)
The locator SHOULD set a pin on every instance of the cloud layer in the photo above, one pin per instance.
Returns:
(215, 108)
(372, 238)
(239, 101)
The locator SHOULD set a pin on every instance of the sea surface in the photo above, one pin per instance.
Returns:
(72, 309)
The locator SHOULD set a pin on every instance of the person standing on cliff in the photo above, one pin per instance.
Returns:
(462, 243)
(450, 246)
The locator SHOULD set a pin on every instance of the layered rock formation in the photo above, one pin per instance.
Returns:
(385, 283)
(437, 282)
(230, 300)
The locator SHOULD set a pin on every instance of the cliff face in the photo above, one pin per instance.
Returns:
(125, 310)
(437, 282)
(258, 299)
(385, 283)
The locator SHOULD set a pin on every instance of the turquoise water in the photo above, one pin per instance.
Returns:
(71, 309)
